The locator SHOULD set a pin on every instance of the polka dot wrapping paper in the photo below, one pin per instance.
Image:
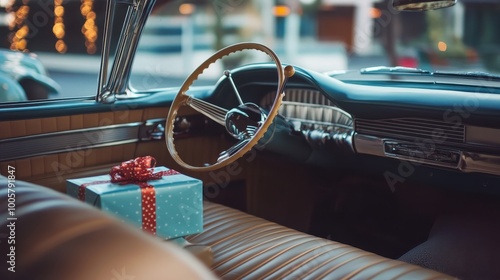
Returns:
(168, 207)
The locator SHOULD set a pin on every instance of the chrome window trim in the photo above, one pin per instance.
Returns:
(116, 82)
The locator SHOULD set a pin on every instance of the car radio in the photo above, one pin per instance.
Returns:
(422, 153)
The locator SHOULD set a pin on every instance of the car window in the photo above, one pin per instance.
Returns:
(324, 36)
(63, 41)
(321, 35)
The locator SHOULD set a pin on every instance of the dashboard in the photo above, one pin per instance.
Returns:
(445, 128)
(449, 134)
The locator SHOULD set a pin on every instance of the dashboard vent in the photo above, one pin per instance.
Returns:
(297, 95)
(411, 128)
(311, 110)
(316, 117)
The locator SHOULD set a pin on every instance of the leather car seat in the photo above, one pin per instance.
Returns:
(57, 237)
(248, 247)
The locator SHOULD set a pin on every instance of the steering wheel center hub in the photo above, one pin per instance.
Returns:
(243, 121)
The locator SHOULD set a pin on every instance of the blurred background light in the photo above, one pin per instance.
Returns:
(187, 9)
(442, 46)
(375, 13)
(281, 11)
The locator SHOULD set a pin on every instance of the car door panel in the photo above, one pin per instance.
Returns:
(54, 158)
(50, 149)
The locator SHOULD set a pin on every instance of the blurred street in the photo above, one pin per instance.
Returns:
(78, 75)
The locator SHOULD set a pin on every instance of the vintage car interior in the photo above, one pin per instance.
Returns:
(306, 175)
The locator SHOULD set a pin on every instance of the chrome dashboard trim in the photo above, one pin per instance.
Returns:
(484, 136)
(481, 163)
(470, 162)
(369, 145)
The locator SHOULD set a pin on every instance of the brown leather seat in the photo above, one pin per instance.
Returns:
(58, 238)
(248, 247)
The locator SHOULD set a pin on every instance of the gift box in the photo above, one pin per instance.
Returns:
(158, 200)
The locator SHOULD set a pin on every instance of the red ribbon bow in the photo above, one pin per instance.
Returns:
(137, 171)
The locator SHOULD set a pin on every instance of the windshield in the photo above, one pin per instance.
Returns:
(321, 35)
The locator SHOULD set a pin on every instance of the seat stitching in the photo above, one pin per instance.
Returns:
(253, 247)
(236, 242)
(209, 232)
(362, 255)
(341, 246)
(276, 255)
(327, 260)
(262, 252)
(217, 227)
(292, 260)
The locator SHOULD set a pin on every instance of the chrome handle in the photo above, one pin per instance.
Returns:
(152, 130)
(158, 132)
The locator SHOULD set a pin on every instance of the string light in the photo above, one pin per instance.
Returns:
(59, 29)
(18, 26)
(89, 28)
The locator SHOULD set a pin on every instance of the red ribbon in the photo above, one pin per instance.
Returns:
(137, 171)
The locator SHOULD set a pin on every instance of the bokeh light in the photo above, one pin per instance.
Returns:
(89, 28)
(59, 29)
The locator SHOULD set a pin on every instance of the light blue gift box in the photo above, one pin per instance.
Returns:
(179, 206)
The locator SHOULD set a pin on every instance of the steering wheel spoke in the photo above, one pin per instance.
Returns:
(214, 112)
(233, 150)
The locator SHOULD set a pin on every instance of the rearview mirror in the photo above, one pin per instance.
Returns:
(421, 5)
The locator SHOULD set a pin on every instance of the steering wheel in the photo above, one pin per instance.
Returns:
(247, 122)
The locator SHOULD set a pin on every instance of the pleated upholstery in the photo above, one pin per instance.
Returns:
(248, 247)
